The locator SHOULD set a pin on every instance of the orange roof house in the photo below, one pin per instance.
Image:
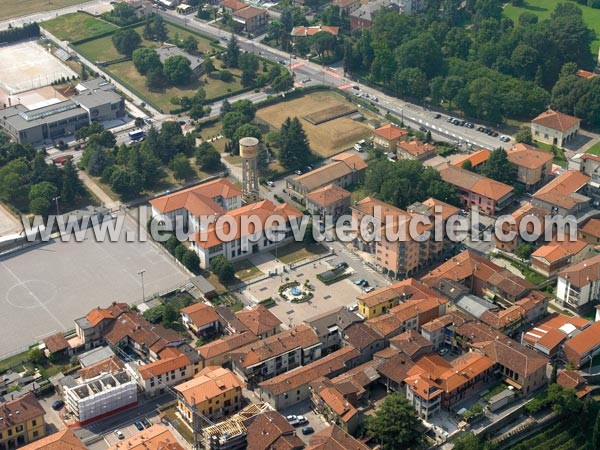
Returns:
(259, 320)
(415, 150)
(554, 128)
(586, 74)
(572, 379)
(476, 158)
(157, 437)
(532, 165)
(200, 317)
(581, 348)
(550, 258)
(556, 120)
(590, 231)
(562, 195)
(61, 440)
(388, 136)
(311, 31)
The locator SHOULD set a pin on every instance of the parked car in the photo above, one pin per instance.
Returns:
(308, 430)
(342, 265)
(139, 425)
(480, 129)
(298, 172)
(442, 351)
(504, 138)
(360, 282)
(291, 418)
(224, 38)
(369, 289)
(282, 61)
(146, 423)
(423, 129)
(365, 284)
(57, 405)
(119, 434)
(308, 168)
(449, 120)
(353, 307)
(270, 184)
(437, 116)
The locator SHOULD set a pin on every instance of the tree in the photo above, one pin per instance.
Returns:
(321, 43)
(155, 78)
(596, 432)
(207, 157)
(126, 41)
(230, 58)
(467, 165)
(395, 424)
(246, 107)
(87, 131)
(208, 67)
(223, 269)
(139, 122)
(177, 70)
(181, 167)
(295, 149)
(41, 197)
(191, 260)
(225, 108)
(190, 44)
(524, 251)
(35, 355)
(468, 441)
(283, 82)
(71, 184)
(498, 168)
(247, 130)
(554, 374)
(231, 122)
(248, 78)
(84, 74)
(170, 315)
(524, 136)
(125, 182)
(98, 160)
(159, 29)
(171, 244)
(145, 59)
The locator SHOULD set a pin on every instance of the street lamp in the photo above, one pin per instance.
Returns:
(141, 274)
(55, 199)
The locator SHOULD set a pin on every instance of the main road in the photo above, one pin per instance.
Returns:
(308, 73)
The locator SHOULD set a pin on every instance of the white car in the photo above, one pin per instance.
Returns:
(270, 184)
(369, 289)
(119, 434)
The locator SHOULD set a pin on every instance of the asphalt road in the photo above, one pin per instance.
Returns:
(413, 115)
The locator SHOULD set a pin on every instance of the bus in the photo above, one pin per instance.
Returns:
(137, 135)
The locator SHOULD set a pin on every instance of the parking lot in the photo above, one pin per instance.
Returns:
(315, 421)
(341, 293)
(48, 286)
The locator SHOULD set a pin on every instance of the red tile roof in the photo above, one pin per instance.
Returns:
(528, 156)
(201, 314)
(477, 158)
(334, 438)
(475, 183)
(56, 343)
(258, 319)
(209, 383)
(556, 120)
(559, 250)
(585, 341)
(328, 195)
(310, 31)
(271, 431)
(163, 366)
(19, 411)
(417, 148)
(61, 440)
(390, 132)
(560, 190)
(591, 227)
(583, 273)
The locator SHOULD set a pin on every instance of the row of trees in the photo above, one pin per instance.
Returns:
(27, 31)
(122, 14)
(30, 184)
(577, 96)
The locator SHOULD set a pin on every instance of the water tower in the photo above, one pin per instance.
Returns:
(249, 154)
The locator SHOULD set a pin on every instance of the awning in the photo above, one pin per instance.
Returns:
(513, 383)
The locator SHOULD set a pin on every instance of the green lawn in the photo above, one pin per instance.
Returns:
(245, 270)
(18, 8)
(543, 9)
(102, 49)
(75, 26)
(127, 72)
(594, 149)
(297, 252)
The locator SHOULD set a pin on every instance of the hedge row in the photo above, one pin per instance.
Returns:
(334, 279)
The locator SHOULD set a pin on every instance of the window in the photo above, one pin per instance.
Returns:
(19, 428)
(33, 422)
(35, 433)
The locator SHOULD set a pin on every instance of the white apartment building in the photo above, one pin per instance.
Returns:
(579, 284)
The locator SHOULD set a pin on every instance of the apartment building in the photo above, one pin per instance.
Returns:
(533, 166)
(581, 349)
(260, 321)
(579, 284)
(490, 196)
(214, 393)
(525, 213)
(21, 422)
(549, 259)
(330, 327)
(565, 194)
(219, 351)
(590, 231)
(387, 137)
(329, 201)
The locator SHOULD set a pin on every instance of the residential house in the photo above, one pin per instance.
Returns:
(96, 398)
(346, 6)
(572, 379)
(302, 31)
(528, 214)
(388, 136)
(276, 354)
(215, 393)
(476, 159)
(434, 383)
(555, 128)
(532, 165)
(523, 311)
(21, 422)
(260, 321)
(581, 349)
(548, 335)
(61, 440)
(579, 284)
(565, 194)
(412, 344)
(393, 249)
(365, 339)
(415, 150)
(231, 6)
(334, 438)
(435, 331)
(156, 437)
(477, 191)
(550, 258)
(330, 201)
(200, 318)
(167, 51)
(108, 365)
(330, 327)
(292, 387)
(363, 17)
(394, 371)
(381, 300)
(57, 346)
(590, 231)
(218, 352)
(254, 20)
(270, 430)
(589, 164)
(346, 169)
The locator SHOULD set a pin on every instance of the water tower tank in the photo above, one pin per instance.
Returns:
(249, 147)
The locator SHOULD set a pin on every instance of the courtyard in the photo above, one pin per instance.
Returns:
(325, 298)
(48, 286)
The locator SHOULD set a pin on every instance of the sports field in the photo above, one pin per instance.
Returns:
(18, 8)
(31, 66)
(75, 26)
(543, 9)
(326, 139)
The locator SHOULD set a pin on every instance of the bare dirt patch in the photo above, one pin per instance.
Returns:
(327, 114)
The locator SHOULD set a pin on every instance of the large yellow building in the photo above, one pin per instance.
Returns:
(215, 393)
(21, 422)
(381, 300)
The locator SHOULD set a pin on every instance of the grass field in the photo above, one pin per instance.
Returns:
(594, 149)
(245, 270)
(543, 9)
(297, 251)
(18, 8)
(76, 26)
(102, 49)
(127, 72)
(326, 139)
